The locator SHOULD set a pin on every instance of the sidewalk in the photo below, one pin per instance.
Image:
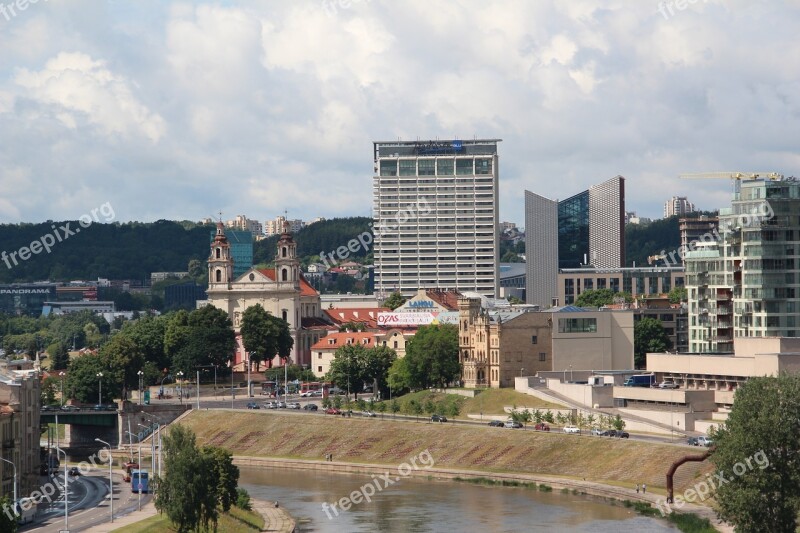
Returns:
(122, 521)
(275, 518)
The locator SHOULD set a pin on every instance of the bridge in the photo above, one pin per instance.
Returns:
(84, 418)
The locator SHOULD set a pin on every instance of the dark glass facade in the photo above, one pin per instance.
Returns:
(25, 299)
(573, 231)
(241, 249)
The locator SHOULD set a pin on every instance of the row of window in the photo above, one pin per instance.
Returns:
(435, 167)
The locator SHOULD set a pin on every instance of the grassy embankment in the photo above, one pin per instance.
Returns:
(236, 521)
(489, 402)
(480, 448)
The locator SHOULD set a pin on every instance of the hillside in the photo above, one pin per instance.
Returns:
(311, 436)
(324, 236)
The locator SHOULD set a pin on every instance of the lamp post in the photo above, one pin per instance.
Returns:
(571, 377)
(233, 394)
(62, 387)
(180, 386)
(158, 430)
(100, 391)
(140, 373)
(249, 392)
(110, 479)
(521, 370)
(139, 446)
(152, 448)
(66, 490)
(16, 501)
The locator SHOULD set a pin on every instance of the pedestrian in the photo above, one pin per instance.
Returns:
(644, 488)
(637, 488)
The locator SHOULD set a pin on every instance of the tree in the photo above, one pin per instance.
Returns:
(8, 522)
(190, 490)
(432, 356)
(176, 339)
(225, 473)
(49, 391)
(83, 383)
(354, 365)
(258, 334)
(618, 423)
(430, 407)
(149, 335)
(381, 408)
(292, 372)
(399, 376)
(648, 336)
(600, 297)
(678, 294)
(756, 452)
(395, 407)
(513, 300)
(394, 301)
(59, 356)
(453, 410)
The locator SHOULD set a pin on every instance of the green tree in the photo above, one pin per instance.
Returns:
(415, 408)
(600, 297)
(394, 301)
(8, 522)
(453, 410)
(176, 339)
(399, 376)
(59, 356)
(381, 408)
(354, 365)
(83, 383)
(149, 335)
(265, 336)
(225, 473)
(432, 356)
(760, 432)
(513, 300)
(648, 336)
(618, 423)
(49, 388)
(430, 407)
(678, 294)
(292, 372)
(548, 417)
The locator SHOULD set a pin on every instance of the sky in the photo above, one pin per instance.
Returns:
(179, 110)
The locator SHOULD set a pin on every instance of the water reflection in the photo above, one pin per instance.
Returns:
(416, 505)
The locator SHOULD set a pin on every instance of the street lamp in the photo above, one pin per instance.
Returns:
(152, 447)
(66, 490)
(158, 430)
(16, 501)
(139, 446)
(62, 387)
(100, 391)
(249, 391)
(180, 380)
(140, 373)
(521, 370)
(571, 378)
(110, 479)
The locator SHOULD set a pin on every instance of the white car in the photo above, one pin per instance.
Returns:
(293, 405)
(667, 385)
(307, 394)
(571, 429)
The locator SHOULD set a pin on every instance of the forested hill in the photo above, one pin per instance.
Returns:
(115, 251)
(320, 237)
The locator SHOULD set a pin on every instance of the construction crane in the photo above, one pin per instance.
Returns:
(738, 176)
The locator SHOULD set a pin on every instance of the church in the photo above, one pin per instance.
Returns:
(282, 291)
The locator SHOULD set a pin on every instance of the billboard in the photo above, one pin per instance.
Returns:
(405, 319)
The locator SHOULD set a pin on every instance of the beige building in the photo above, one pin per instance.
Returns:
(637, 281)
(324, 350)
(497, 346)
(20, 398)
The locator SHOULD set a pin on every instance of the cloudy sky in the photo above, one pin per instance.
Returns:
(183, 110)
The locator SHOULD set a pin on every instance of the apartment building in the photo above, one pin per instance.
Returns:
(435, 211)
(746, 282)
(638, 281)
(677, 205)
(277, 224)
(20, 402)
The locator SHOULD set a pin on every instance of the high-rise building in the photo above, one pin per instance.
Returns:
(241, 222)
(697, 229)
(677, 205)
(587, 229)
(541, 249)
(435, 210)
(277, 225)
(241, 242)
(745, 282)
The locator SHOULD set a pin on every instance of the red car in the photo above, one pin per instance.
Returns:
(333, 411)
(541, 427)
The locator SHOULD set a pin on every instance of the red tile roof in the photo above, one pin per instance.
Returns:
(361, 315)
(447, 299)
(305, 288)
(312, 322)
(334, 340)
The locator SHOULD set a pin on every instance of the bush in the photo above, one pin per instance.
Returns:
(243, 499)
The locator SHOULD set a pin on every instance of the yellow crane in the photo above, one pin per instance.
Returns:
(738, 176)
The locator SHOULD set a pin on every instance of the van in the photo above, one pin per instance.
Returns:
(640, 380)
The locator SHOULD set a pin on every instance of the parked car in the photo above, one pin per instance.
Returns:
(316, 393)
(609, 433)
(253, 405)
(281, 405)
(622, 435)
(667, 384)
(293, 405)
(271, 405)
(49, 408)
(496, 423)
(541, 426)
(704, 441)
(438, 418)
(70, 408)
(512, 424)
(74, 471)
(333, 411)
(310, 407)
(572, 429)
(597, 431)
(692, 441)
(307, 394)
(368, 414)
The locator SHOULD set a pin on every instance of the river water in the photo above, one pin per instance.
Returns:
(418, 505)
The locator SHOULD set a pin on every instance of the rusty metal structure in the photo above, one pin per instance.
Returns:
(678, 463)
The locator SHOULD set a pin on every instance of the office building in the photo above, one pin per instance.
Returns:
(677, 205)
(435, 211)
(241, 249)
(746, 283)
(639, 281)
(699, 229)
(25, 299)
(587, 229)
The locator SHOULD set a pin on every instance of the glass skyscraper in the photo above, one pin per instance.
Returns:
(241, 242)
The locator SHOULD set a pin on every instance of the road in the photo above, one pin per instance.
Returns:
(88, 502)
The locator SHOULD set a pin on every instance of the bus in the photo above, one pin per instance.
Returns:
(139, 481)
(129, 467)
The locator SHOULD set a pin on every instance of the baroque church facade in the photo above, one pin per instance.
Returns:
(282, 291)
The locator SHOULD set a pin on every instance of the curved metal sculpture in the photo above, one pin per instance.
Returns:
(679, 462)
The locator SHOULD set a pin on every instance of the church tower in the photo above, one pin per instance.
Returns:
(287, 267)
(220, 264)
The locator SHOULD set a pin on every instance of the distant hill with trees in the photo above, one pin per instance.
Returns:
(324, 236)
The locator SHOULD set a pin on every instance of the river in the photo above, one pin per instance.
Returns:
(418, 505)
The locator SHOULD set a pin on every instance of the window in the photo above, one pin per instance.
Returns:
(284, 314)
(464, 167)
(577, 325)
(427, 167)
(218, 252)
(444, 167)
(319, 370)
(319, 355)
(283, 251)
(284, 276)
(483, 166)
(408, 167)
(395, 345)
(534, 339)
(542, 356)
(388, 168)
(219, 275)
